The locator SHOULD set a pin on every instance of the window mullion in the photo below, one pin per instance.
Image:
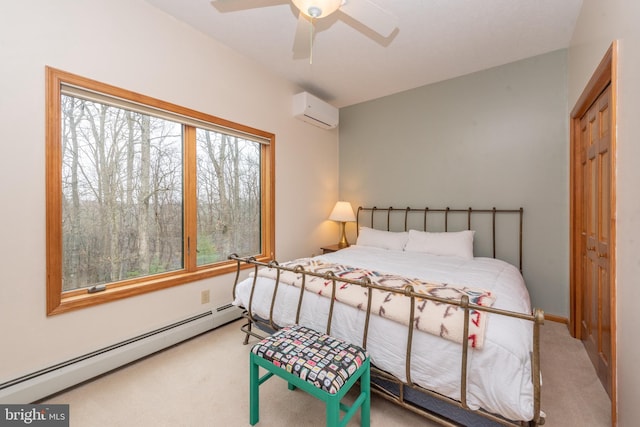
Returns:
(190, 199)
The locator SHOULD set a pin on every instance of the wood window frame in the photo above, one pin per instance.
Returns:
(59, 301)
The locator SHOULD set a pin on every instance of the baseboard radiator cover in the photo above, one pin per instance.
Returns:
(45, 382)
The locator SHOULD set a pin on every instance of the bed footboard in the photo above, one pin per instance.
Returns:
(402, 388)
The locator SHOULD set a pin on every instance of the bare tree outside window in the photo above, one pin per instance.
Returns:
(122, 194)
(228, 175)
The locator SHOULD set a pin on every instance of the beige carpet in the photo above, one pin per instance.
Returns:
(204, 382)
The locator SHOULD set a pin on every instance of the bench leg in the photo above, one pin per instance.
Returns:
(254, 392)
(365, 410)
(333, 413)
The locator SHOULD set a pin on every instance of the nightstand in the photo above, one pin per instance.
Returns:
(330, 248)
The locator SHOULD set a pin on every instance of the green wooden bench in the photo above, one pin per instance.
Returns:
(323, 366)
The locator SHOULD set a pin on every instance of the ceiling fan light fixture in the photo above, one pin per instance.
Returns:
(317, 8)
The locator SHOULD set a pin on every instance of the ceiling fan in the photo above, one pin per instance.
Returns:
(366, 12)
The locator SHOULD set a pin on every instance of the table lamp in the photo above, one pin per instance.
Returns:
(342, 212)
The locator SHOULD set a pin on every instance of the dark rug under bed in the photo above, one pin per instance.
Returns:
(434, 405)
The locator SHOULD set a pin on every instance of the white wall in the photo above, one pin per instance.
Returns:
(130, 44)
(598, 25)
(498, 137)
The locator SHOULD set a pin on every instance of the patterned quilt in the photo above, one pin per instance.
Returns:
(444, 320)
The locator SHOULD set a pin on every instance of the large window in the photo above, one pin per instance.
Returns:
(143, 194)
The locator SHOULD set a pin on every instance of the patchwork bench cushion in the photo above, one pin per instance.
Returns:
(319, 359)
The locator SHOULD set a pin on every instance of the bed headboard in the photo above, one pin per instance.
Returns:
(495, 228)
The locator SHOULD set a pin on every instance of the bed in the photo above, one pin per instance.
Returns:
(471, 356)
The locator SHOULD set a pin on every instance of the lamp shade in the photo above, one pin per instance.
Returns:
(317, 8)
(342, 212)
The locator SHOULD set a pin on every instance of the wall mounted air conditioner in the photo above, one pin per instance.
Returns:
(313, 110)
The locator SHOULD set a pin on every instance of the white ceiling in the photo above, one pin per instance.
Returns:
(435, 40)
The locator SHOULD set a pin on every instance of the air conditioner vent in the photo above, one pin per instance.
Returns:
(315, 111)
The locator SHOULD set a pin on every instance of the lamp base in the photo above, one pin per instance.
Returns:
(343, 243)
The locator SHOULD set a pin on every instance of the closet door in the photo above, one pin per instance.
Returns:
(595, 322)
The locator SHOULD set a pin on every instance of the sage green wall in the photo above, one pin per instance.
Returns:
(498, 137)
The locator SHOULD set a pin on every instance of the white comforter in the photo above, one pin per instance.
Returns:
(499, 375)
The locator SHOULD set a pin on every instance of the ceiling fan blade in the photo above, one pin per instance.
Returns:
(303, 37)
(371, 15)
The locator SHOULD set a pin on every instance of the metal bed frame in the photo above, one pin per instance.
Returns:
(537, 317)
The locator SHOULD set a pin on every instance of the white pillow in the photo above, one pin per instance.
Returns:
(452, 243)
(382, 239)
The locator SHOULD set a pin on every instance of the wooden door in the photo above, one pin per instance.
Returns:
(593, 222)
(595, 235)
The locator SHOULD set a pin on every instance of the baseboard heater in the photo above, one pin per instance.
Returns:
(45, 382)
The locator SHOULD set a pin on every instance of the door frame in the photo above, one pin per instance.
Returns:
(605, 74)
